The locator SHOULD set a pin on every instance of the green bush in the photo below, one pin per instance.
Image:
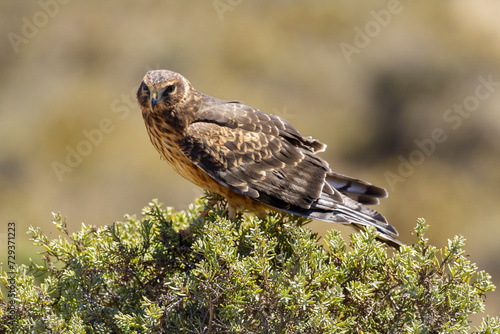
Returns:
(172, 272)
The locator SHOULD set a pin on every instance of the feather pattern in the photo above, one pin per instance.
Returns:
(252, 157)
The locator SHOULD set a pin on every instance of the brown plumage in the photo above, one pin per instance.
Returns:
(256, 161)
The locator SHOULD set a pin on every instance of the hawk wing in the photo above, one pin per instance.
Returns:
(263, 157)
(256, 155)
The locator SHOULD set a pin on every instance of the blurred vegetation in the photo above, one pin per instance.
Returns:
(241, 276)
(84, 62)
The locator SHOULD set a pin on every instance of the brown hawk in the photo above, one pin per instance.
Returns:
(255, 160)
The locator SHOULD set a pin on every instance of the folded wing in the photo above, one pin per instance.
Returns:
(264, 158)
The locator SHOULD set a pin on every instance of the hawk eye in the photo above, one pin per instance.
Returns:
(145, 87)
(170, 89)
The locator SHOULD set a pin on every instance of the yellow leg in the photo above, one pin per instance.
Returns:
(231, 212)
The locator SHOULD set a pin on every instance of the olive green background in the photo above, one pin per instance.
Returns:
(370, 79)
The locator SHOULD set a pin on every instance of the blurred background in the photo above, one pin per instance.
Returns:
(406, 95)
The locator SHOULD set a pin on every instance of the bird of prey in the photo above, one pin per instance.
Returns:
(256, 161)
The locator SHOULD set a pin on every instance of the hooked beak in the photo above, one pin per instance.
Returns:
(154, 98)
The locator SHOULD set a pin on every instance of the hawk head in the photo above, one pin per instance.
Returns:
(163, 90)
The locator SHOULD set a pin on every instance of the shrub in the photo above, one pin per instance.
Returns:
(172, 272)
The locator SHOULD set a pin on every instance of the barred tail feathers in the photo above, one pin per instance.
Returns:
(356, 189)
